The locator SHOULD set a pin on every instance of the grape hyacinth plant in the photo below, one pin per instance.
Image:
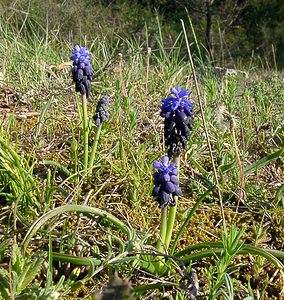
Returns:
(166, 188)
(82, 70)
(178, 113)
(82, 75)
(101, 115)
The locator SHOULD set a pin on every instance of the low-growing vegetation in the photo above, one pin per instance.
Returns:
(83, 132)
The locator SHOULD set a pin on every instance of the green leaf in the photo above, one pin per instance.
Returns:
(74, 208)
(72, 278)
(226, 168)
(76, 260)
(263, 161)
(216, 249)
(58, 166)
(3, 247)
(199, 246)
(29, 273)
(230, 287)
(18, 260)
(270, 255)
(188, 218)
(279, 197)
(199, 167)
(4, 284)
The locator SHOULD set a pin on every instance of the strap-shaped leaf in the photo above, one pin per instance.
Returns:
(29, 273)
(74, 208)
(188, 218)
(263, 161)
(215, 249)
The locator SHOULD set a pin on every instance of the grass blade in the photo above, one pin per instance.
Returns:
(188, 218)
(263, 161)
(73, 208)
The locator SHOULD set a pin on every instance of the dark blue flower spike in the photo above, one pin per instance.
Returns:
(101, 114)
(82, 70)
(166, 182)
(178, 113)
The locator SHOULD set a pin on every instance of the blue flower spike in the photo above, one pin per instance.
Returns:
(82, 70)
(178, 113)
(166, 182)
(101, 114)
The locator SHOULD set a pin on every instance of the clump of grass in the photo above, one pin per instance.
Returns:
(18, 184)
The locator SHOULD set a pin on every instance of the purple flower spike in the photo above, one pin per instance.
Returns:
(82, 70)
(102, 113)
(166, 182)
(178, 113)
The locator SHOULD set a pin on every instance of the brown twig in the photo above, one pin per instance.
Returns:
(123, 87)
(147, 70)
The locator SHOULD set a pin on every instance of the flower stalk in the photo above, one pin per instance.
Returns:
(85, 132)
(178, 113)
(166, 191)
(172, 212)
(94, 147)
(82, 72)
(101, 115)
(161, 247)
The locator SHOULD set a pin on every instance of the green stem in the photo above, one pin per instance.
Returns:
(85, 132)
(94, 147)
(172, 213)
(163, 230)
(161, 242)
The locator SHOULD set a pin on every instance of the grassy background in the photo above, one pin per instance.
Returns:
(241, 32)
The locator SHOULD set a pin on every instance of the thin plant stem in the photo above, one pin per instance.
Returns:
(274, 57)
(94, 147)
(194, 36)
(85, 132)
(147, 70)
(172, 212)
(121, 78)
(204, 124)
(161, 247)
(163, 230)
(239, 162)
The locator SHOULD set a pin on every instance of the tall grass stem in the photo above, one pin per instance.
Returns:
(239, 162)
(194, 36)
(147, 70)
(188, 218)
(204, 123)
(121, 77)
